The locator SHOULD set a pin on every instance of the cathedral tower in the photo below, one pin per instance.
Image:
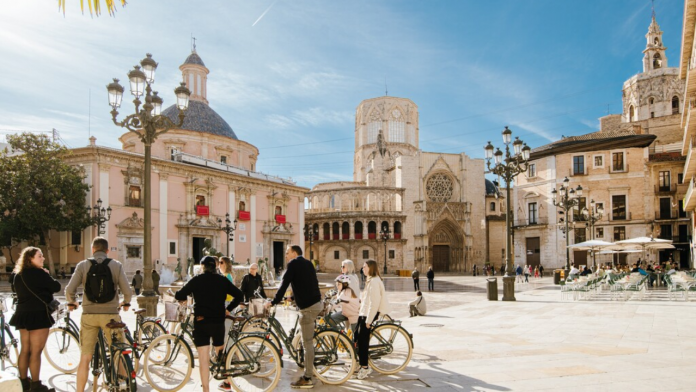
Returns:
(655, 57)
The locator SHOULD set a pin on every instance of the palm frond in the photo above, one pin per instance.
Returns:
(94, 6)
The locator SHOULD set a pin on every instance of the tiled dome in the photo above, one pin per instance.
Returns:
(491, 188)
(194, 58)
(201, 118)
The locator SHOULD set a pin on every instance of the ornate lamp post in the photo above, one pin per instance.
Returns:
(99, 216)
(509, 168)
(148, 123)
(592, 216)
(228, 229)
(309, 232)
(566, 198)
(384, 235)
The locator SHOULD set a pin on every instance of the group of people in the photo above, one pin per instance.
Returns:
(527, 271)
(415, 275)
(215, 295)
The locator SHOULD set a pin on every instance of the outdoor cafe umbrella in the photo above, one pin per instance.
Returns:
(609, 251)
(591, 245)
(647, 243)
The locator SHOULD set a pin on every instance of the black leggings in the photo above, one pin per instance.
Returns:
(363, 339)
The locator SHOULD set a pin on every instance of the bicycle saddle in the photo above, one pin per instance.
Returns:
(139, 311)
(236, 319)
(115, 324)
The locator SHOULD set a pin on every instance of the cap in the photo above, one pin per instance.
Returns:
(208, 261)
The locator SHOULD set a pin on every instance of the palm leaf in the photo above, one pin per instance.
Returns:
(94, 6)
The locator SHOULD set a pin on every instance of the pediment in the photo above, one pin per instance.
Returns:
(440, 165)
(132, 223)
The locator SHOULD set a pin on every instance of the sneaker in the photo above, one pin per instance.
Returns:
(303, 383)
(224, 386)
(363, 373)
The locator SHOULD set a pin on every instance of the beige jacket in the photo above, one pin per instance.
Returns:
(374, 299)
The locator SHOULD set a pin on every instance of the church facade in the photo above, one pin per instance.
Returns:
(412, 208)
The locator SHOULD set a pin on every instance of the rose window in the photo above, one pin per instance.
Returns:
(439, 188)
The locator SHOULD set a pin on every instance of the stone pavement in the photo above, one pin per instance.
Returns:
(539, 342)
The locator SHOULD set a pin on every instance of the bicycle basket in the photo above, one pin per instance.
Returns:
(256, 307)
(173, 312)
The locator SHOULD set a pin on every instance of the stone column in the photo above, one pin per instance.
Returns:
(351, 229)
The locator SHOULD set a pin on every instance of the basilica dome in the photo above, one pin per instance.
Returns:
(201, 118)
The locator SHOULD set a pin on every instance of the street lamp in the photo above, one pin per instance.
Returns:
(592, 216)
(228, 229)
(148, 123)
(309, 232)
(515, 163)
(99, 216)
(384, 235)
(566, 198)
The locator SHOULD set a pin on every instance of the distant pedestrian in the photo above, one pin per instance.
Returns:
(518, 272)
(431, 279)
(155, 281)
(541, 271)
(62, 272)
(137, 282)
(474, 270)
(526, 274)
(416, 279)
(536, 272)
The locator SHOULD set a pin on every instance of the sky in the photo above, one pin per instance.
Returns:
(287, 75)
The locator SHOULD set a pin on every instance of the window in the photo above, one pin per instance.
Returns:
(200, 200)
(599, 232)
(577, 215)
(172, 248)
(664, 181)
(651, 100)
(580, 235)
(531, 171)
(631, 114)
(76, 238)
(223, 159)
(682, 213)
(279, 210)
(599, 206)
(619, 233)
(680, 178)
(175, 151)
(493, 207)
(618, 207)
(598, 161)
(134, 196)
(396, 132)
(578, 165)
(666, 232)
(391, 253)
(366, 254)
(532, 208)
(372, 131)
(675, 105)
(337, 254)
(617, 161)
(133, 252)
(242, 206)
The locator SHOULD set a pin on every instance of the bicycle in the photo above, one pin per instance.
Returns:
(113, 363)
(334, 357)
(250, 363)
(9, 353)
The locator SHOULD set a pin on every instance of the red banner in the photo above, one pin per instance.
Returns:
(244, 215)
(202, 210)
(280, 218)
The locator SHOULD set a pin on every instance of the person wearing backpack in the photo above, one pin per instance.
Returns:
(101, 278)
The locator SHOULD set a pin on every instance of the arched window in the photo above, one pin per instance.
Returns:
(332, 202)
(397, 230)
(200, 200)
(372, 230)
(651, 100)
(492, 206)
(316, 232)
(335, 231)
(358, 230)
(657, 41)
(345, 231)
(675, 105)
(326, 232)
(657, 61)
(631, 113)
(242, 206)
(279, 210)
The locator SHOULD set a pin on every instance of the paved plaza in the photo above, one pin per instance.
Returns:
(540, 342)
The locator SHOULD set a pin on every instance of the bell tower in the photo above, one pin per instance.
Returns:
(655, 57)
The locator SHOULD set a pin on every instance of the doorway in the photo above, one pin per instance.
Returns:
(579, 258)
(441, 255)
(278, 256)
(197, 251)
(533, 251)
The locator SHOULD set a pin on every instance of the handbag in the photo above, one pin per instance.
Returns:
(51, 307)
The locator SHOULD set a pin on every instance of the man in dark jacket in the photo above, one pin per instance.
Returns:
(209, 292)
(416, 279)
(252, 282)
(431, 279)
(301, 275)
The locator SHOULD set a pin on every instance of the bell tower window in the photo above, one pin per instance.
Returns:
(675, 105)
(631, 114)
(657, 61)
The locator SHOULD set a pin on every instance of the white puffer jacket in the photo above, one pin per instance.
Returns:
(374, 299)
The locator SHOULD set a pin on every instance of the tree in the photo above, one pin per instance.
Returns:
(39, 192)
(94, 6)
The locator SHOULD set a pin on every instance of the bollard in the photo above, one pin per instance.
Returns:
(492, 289)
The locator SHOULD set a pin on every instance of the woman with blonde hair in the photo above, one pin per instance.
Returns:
(34, 287)
(348, 269)
(373, 304)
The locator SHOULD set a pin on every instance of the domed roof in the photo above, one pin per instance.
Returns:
(194, 58)
(491, 188)
(201, 118)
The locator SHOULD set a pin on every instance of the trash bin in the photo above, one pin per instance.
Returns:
(492, 289)
(557, 276)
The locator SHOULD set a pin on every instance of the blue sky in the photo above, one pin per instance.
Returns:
(288, 78)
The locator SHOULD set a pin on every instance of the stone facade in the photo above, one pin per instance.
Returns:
(430, 202)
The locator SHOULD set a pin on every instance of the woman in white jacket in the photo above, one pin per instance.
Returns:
(373, 304)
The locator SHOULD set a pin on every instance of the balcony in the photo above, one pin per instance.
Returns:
(668, 189)
(665, 215)
(625, 217)
(690, 164)
(202, 210)
(526, 222)
(689, 199)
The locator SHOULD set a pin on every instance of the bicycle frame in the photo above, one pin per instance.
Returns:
(6, 338)
(100, 359)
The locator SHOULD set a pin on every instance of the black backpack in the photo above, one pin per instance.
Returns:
(99, 287)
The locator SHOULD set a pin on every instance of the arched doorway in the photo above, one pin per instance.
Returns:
(446, 247)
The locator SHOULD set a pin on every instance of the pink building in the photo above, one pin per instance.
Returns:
(201, 172)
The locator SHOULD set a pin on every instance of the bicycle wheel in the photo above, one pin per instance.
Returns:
(390, 348)
(334, 357)
(254, 364)
(167, 363)
(261, 326)
(62, 350)
(123, 374)
(149, 330)
(188, 337)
